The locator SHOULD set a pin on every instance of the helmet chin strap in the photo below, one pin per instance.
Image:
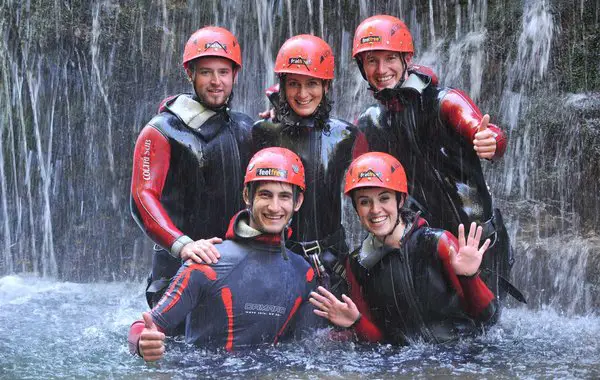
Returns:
(404, 71)
(282, 240)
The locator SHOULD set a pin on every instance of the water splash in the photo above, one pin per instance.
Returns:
(85, 325)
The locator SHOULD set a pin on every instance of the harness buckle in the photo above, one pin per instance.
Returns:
(315, 247)
(312, 255)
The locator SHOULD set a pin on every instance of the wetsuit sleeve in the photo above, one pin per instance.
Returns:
(186, 290)
(461, 113)
(476, 298)
(133, 338)
(150, 166)
(365, 329)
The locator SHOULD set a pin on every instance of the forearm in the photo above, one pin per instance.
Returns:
(479, 299)
(365, 329)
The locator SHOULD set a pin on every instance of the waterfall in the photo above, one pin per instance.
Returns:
(80, 79)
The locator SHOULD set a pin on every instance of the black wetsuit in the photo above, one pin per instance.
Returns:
(430, 131)
(326, 152)
(252, 296)
(411, 293)
(188, 172)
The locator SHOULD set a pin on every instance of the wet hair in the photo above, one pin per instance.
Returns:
(284, 110)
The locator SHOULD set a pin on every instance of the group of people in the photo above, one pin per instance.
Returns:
(411, 168)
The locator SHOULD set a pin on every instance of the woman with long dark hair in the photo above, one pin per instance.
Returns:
(408, 282)
(326, 145)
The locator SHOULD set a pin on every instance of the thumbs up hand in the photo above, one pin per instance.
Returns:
(152, 341)
(484, 142)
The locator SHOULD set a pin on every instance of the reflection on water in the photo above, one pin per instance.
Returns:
(52, 329)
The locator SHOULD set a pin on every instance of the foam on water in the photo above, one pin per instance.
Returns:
(73, 330)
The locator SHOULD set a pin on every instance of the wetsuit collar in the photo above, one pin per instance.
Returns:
(190, 111)
(394, 98)
(239, 229)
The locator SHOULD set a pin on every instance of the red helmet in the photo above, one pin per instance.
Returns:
(382, 32)
(376, 169)
(276, 164)
(212, 41)
(306, 55)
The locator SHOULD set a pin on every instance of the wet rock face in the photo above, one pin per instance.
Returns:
(79, 79)
(593, 278)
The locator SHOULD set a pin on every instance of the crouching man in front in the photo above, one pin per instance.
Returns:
(258, 292)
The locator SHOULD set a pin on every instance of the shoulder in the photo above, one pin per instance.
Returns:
(342, 127)
(425, 72)
(262, 123)
(241, 118)
(266, 126)
(164, 122)
(297, 260)
(447, 95)
(375, 109)
(427, 238)
(341, 124)
(370, 116)
(232, 249)
(162, 119)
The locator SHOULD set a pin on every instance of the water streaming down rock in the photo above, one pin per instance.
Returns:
(80, 78)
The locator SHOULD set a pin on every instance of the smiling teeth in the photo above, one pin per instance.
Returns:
(303, 103)
(385, 79)
(378, 219)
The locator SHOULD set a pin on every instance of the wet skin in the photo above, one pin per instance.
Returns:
(213, 79)
(383, 68)
(304, 93)
(273, 206)
(377, 210)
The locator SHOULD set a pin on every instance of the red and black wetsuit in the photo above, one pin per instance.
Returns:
(326, 151)
(412, 293)
(188, 171)
(430, 130)
(252, 296)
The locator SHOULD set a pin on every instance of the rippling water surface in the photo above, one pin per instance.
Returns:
(52, 329)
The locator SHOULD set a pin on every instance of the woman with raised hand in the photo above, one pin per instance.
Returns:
(407, 282)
